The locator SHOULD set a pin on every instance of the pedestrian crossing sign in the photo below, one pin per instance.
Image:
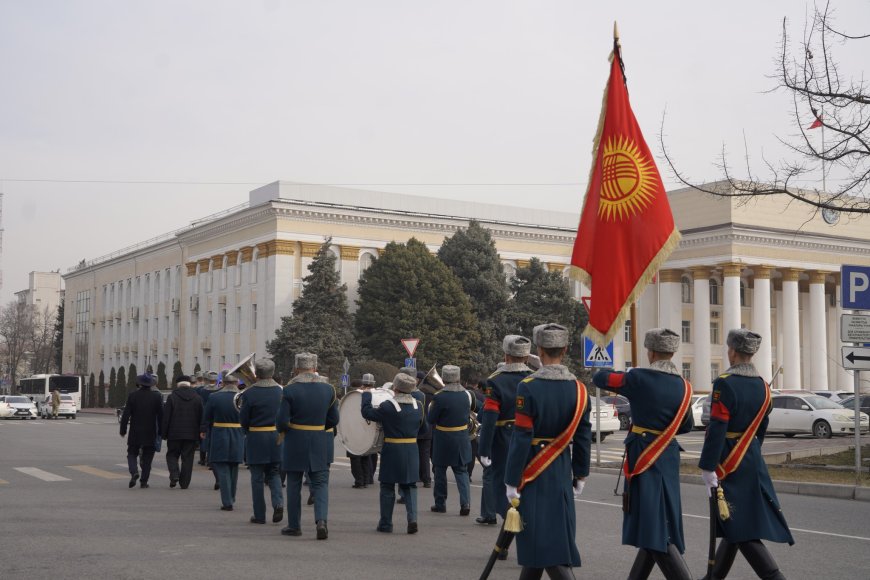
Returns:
(595, 356)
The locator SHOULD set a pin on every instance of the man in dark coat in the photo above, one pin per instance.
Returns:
(740, 396)
(309, 408)
(424, 439)
(400, 418)
(143, 412)
(227, 441)
(547, 406)
(497, 424)
(654, 522)
(208, 385)
(451, 446)
(182, 415)
(260, 404)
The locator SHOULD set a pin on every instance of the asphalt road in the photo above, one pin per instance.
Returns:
(88, 524)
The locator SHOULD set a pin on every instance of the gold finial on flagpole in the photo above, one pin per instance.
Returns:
(615, 31)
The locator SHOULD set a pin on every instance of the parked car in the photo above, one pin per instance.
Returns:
(67, 407)
(608, 418)
(706, 403)
(808, 413)
(163, 395)
(830, 395)
(623, 409)
(17, 407)
(698, 410)
(849, 403)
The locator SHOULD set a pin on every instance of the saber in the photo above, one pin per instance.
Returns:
(619, 475)
(714, 514)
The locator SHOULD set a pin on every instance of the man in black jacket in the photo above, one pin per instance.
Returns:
(182, 416)
(143, 412)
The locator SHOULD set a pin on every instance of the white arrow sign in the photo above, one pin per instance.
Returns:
(856, 358)
(410, 345)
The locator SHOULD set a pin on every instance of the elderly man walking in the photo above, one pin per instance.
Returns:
(143, 413)
(182, 415)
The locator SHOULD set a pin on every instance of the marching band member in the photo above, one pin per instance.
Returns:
(309, 408)
(209, 385)
(401, 418)
(731, 458)
(660, 409)
(552, 410)
(227, 442)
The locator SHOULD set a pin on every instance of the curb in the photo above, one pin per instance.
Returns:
(97, 411)
(832, 490)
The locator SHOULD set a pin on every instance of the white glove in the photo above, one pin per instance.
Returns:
(578, 487)
(512, 493)
(485, 461)
(710, 480)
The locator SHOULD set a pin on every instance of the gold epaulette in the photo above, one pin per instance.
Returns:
(724, 375)
(495, 374)
(528, 379)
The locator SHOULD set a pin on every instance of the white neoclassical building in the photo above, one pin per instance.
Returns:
(215, 291)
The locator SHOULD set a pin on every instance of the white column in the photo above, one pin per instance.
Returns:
(819, 332)
(761, 319)
(671, 306)
(791, 347)
(731, 310)
(701, 330)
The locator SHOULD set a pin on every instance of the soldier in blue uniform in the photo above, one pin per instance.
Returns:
(260, 403)
(497, 424)
(401, 418)
(738, 397)
(209, 386)
(309, 408)
(654, 521)
(546, 407)
(227, 441)
(451, 446)
(420, 397)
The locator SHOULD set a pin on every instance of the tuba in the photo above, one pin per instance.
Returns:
(436, 378)
(245, 369)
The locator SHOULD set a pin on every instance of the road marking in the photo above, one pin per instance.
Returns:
(3, 482)
(158, 472)
(40, 474)
(98, 472)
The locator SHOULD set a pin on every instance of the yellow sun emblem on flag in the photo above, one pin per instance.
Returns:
(628, 180)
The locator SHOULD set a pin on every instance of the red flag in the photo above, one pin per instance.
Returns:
(817, 123)
(626, 229)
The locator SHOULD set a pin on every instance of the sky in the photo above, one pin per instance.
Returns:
(121, 121)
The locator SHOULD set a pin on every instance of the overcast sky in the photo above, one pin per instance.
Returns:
(355, 92)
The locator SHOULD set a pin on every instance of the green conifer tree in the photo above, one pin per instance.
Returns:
(101, 391)
(118, 394)
(92, 395)
(176, 372)
(162, 383)
(132, 373)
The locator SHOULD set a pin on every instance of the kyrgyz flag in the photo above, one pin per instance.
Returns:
(626, 229)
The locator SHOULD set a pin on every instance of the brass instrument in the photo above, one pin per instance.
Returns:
(245, 370)
(436, 378)
(473, 424)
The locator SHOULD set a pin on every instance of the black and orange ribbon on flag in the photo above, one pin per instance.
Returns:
(554, 448)
(735, 457)
(654, 450)
(626, 229)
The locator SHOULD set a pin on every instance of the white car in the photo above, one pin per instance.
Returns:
(17, 407)
(606, 415)
(698, 409)
(67, 407)
(794, 414)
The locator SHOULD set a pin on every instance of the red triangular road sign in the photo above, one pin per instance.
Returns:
(410, 345)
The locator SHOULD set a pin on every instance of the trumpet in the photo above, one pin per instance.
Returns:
(245, 369)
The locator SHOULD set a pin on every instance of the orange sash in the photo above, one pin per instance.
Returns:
(554, 448)
(655, 449)
(732, 462)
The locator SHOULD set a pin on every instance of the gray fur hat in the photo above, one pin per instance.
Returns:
(231, 380)
(402, 383)
(197, 375)
(515, 345)
(743, 340)
(450, 374)
(551, 335)
(661, 340)
(211, 376)
(264, 368)
(305, 360)
(410, 371)
(534, 362)
(368, 379)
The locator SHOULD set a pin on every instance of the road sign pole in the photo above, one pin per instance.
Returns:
(597, 427)
(857, 427)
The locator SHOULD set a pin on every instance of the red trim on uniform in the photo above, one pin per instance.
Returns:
(615, 380)
(720, 412)
(491, 405)
(523, 421)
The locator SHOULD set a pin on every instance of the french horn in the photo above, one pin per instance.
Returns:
(245, 370)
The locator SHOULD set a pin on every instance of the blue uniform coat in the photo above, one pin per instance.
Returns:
(227, 444)
(451, 409)
(400, 462)
(756, 514)
(655, 518)
(544, 408)
(501, 395)
(260, 405)
(308, 401)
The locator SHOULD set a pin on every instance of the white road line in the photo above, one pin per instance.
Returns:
(40, 474)
(154, 471)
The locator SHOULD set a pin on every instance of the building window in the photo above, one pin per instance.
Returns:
(626, 331)
(628, 365)
(714, 333)
(209, 278)
(366, 260)
(83, 310)
(147, 289)
(253, 317)
(687, 331)
(156, 287)
(223, 275)
(223, 314)
(714, 291)
(687, 371)
(714, 371)
(237, 323)
(237, 271)
(166, 327)
(686, 289)
(742, 293)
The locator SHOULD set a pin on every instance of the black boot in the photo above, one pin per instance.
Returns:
(760, 560)
(643, 565)
(531, 573)
(202, 457)
(724, 559)
(560, 573)
(671, 564)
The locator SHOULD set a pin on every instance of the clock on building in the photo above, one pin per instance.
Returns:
(831, 216)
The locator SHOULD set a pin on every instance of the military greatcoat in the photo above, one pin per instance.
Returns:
(400, 461)
(655, 517)
(227, 444)
(260, 404)
(545, 405)
(448, 414)
(738, 396)
(309, 407)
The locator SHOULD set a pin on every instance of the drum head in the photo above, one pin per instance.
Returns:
(359, 435)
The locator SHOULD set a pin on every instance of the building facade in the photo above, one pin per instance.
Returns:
(44, 292)
(212, 293)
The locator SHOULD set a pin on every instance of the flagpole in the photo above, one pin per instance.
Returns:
(633, 315)
(824, 186)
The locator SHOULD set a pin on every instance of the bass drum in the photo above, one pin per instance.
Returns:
(359, 435)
